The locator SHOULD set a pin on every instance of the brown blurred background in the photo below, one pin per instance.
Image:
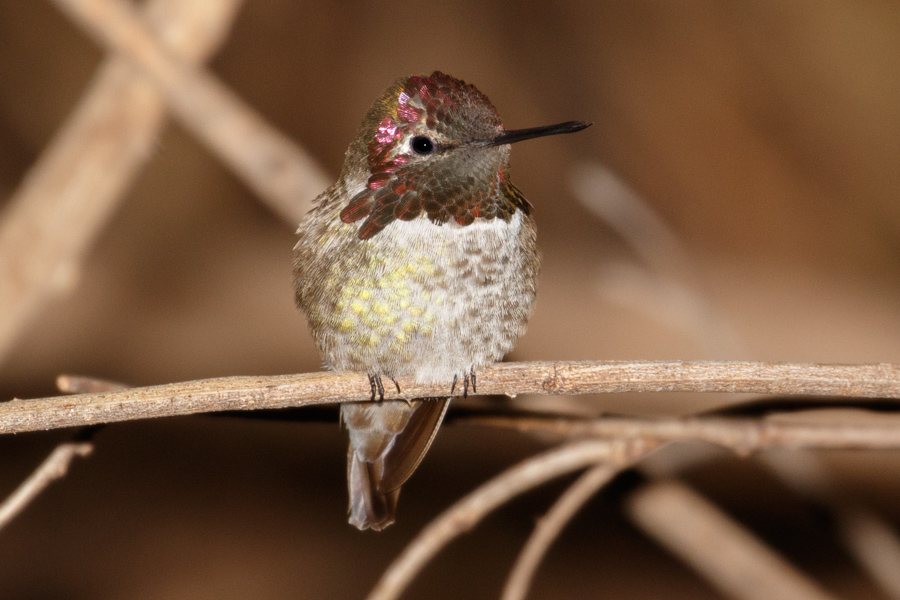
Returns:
(765, 133)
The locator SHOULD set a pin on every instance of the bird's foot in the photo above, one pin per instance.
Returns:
(377, 387)
(397, 385)
(467, 380)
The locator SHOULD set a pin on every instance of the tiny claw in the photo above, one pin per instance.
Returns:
(396, 385)
(453, 385)
(472, 376)
(377, 387)
(466, 386)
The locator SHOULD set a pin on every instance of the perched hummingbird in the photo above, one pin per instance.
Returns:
(419, 261)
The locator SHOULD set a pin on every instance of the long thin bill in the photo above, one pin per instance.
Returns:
(518, 135)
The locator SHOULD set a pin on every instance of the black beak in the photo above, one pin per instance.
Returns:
(518, 135)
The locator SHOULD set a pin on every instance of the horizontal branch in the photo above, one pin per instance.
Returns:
(742, 435)
(545, 378)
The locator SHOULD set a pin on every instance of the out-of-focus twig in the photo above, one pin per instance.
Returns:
(546, 378)
(662, 285)
(871, 540)
(468, 511)
(874, 544)
(550, 526)
(284, 175)
(79, 384)
(666, 292)
(730, 557)
(743, 436)
(607, 196)
(54, 467)
(71, 192)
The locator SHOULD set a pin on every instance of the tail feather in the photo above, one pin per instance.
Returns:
(387, 442)
(369, 508)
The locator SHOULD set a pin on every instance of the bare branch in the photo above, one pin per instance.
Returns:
(601, 191)
(743, 436)
(281, 172)
(662, 284)
(551, 525)
(468, 511)
(545, 378)
(871, 540)
(874, 544)
(57, 464)
(54, 467)
(71, 192)
(731, 558)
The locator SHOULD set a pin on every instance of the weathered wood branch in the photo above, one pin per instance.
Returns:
(545, 378)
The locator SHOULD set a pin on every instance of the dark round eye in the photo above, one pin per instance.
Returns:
(422, 145)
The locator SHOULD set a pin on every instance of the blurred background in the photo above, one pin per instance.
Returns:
(754, 146)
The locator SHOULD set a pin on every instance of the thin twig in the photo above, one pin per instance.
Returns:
(548, 378)
(662, 285)
(54, 467)
(874, 544)
(468, 511)
(652, 239)
(71, 192)
(729, 556)
(283, 174)
(871, 540)
(551, 525)
(742, 435)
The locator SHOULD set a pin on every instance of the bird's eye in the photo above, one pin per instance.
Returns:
(422, 145)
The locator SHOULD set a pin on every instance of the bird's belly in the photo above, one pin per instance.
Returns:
(433, 302)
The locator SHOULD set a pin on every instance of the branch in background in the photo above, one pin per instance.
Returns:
(668, 291)
(54, 467)
(468, 511)
(873, 543)
(282, 173)
(670, 512)
(73, 189)
(545, 378)
(57, 464)
(662, 285)
(731, 558)
(743, 436)
(652, 239)
(870, 539)
(551, 525)
(79, 384)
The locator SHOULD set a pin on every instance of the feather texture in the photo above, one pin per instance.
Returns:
(387, 443)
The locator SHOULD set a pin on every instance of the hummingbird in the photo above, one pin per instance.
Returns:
(420, 261)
